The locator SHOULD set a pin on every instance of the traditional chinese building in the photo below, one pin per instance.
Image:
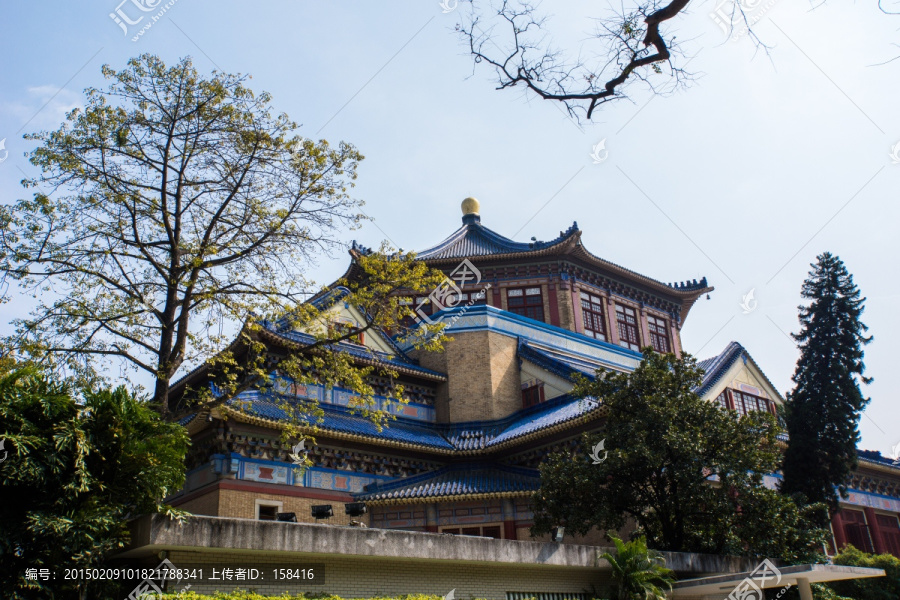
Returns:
(462, 455)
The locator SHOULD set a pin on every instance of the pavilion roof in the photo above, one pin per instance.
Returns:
(455, 482)
(264, 408)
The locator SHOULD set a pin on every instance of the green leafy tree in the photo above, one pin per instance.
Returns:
(76, 469)
(172, 206)
(878, 588)
(823, 410)
(639, 573)
(687, 472)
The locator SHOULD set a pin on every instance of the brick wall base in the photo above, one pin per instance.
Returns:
(357, 577)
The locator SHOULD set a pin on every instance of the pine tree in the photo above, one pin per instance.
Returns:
(822, 412)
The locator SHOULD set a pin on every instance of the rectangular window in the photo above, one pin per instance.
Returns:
(527, 302)
(473, 298)
(532, 395)
(722, 399)
(890, 532)
(659, 336)
(420, 305)
(592, 316)
(267, 512)
(626, 320)
(856, 530)
(746, 403)
(342, 328)
(490, 531)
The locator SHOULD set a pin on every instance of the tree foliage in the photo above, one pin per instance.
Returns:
(824, 408)
(879, 588)
(77, 468)
(639, 573)
(376, 288)
(171, 206)
(688, 473)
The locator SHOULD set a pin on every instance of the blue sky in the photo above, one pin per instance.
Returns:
(763, 163)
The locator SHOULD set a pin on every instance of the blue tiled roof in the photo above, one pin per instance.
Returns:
(474, 239)
(463, 437)
(341, 420)
(715, 367)
(325, 301)
(456, 480)
(876, 457)
(544, 415)
(558, 363)
(400, 359)
(472, 438)
(183, 421)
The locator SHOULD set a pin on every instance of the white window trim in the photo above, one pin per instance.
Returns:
(260, 502)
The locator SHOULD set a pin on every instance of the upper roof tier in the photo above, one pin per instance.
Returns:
(473, 241)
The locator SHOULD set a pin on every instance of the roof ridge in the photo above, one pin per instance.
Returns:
(479, 240)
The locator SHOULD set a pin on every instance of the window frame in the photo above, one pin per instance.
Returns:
(593, 315)
(538, 389)
(738, 398)
(527, 307)
(623, 325)
(278, 506)
(653, 323)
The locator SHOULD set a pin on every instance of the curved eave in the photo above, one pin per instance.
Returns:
(596, 413)
(878, 466)
(243, 417)
(563, 246)
(448, 498)
(684, 294)
(399, 367)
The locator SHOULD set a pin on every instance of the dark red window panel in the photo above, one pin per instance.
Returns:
(627, 323)
(592, 316)
(745, 403)
(532, 395)
(527, 302)
(855, 529)
(659, 335)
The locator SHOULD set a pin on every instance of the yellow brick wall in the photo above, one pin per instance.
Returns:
(484, 376)
(566, 310)
(483, 372)
(370, 577)
(242, 505)
(207, 504)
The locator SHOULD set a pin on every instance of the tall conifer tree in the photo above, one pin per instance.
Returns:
(822, 412)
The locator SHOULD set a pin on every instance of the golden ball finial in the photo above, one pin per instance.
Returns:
(470, 206)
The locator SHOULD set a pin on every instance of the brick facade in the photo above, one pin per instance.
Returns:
(483, 373)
